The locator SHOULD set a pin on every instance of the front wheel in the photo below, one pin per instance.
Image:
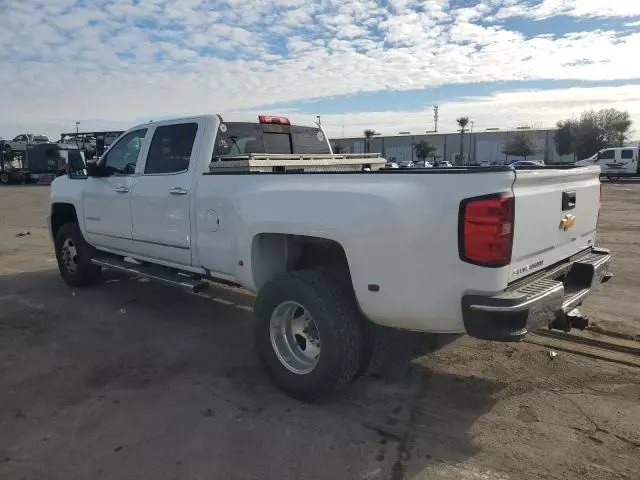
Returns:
(74, 257)
(5, 178)
(308, 334)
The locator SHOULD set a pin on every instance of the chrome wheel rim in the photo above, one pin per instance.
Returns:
(295, 337)
(69, 256)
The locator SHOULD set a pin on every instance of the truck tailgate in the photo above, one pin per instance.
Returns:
(556, 212)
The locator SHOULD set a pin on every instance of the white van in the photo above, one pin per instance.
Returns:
(616, 162)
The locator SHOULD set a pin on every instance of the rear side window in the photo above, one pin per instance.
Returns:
(171, 148)
(607, 155)
(627, 154)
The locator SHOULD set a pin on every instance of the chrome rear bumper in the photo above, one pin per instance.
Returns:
(537, 301)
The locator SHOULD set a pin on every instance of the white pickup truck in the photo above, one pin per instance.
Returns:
(336, 247)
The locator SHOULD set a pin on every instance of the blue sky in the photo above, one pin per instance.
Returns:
(358, 63)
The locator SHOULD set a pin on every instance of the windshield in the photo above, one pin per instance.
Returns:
(244, 138)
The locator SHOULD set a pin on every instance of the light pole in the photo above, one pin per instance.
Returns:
(435, 117)
(471, 145)
(77, 125)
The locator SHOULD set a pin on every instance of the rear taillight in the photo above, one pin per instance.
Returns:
(486, 230)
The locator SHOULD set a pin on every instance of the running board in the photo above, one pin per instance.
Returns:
(153, 273)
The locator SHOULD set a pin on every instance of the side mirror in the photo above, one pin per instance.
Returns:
(95, 170)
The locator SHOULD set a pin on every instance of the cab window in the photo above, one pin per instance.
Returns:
(627, 154)
(171, 148)
(123, 157)
(607, 155)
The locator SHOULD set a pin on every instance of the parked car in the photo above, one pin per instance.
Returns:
(21, 141)
(445, 164)
(195, 199)
(406, 164)
(527, 163)
(423, 164)
(391, 165)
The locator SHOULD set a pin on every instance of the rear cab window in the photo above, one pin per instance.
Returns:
(242, 138)
(170, 150)
(627, 154)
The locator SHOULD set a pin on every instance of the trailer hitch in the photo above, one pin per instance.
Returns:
(567, 321)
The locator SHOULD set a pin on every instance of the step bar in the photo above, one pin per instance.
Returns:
(153, 273)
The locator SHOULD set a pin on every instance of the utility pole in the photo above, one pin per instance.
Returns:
(471, 145)
(435, 117)
(77, 124)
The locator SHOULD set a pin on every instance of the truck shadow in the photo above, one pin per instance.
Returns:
(622, 181)
(131, 336)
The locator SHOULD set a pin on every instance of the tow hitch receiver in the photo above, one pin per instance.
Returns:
(569, 320)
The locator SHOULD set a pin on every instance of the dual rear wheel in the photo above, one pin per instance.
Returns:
(313, 340)
(308, 334)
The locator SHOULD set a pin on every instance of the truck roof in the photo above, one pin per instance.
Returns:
(224, 118)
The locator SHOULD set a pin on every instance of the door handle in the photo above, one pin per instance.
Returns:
(178, 191)
(122, 189)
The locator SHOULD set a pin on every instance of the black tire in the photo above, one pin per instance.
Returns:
(5, 178)
(338, 322)
(82, 273)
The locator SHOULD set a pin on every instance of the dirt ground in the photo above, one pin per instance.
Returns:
(137, 380)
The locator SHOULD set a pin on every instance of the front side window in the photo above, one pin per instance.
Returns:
(123, 157)
(627, 154)
(607, 155)
(171, 148)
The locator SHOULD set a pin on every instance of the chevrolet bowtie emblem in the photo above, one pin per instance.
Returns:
(567, 222)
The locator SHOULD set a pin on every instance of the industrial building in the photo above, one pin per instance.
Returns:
(484, 147)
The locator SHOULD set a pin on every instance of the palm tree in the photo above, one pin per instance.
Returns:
(423, 149)
(368, 133)
(462, 123)
(339, 149)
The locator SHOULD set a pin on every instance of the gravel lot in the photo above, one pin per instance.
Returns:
(137, 380)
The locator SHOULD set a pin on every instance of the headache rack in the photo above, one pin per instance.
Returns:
(293, 163)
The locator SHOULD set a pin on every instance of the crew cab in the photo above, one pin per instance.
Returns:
(340, 251)
(20, 142)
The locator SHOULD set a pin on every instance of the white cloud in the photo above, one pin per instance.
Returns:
(504, 110)
(576, 8)
(120, 60)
